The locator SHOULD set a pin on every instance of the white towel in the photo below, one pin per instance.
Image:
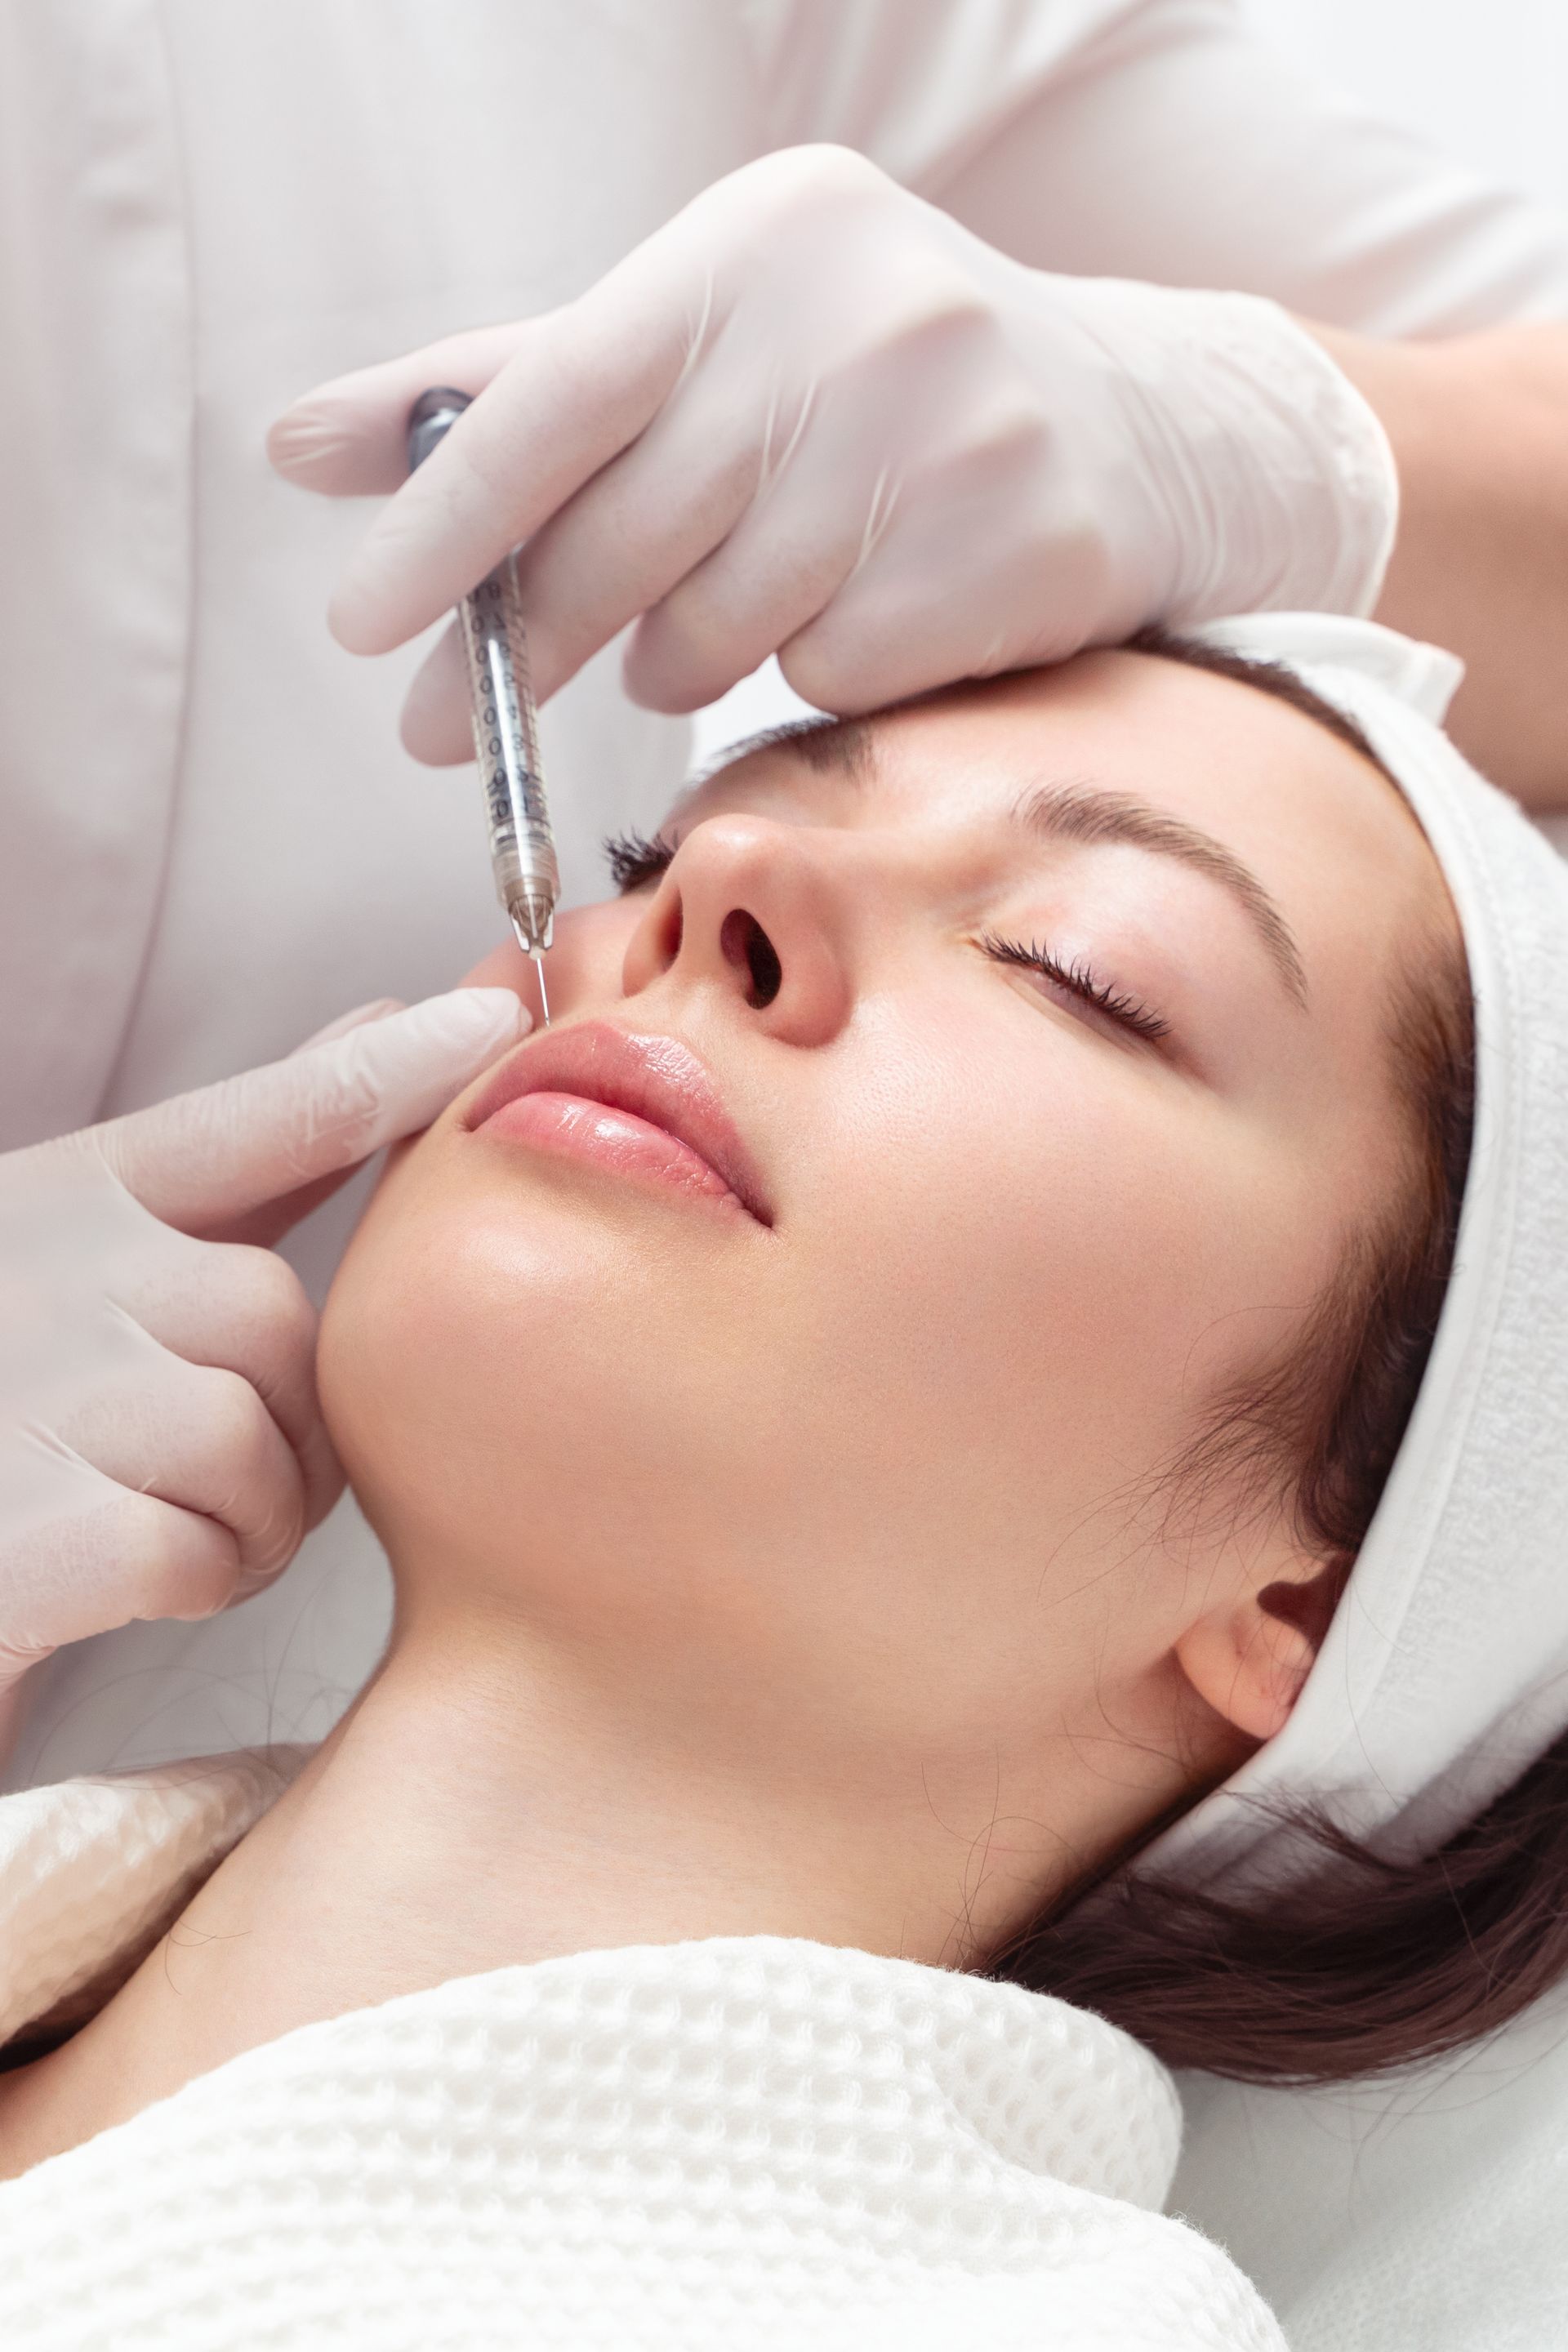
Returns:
(1445, 1671)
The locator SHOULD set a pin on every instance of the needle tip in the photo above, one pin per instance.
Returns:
(543, 997)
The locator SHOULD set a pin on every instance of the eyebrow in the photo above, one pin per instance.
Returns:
(1088, 813)
(1075, 812)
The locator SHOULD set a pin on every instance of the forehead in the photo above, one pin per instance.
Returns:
(1327, 832)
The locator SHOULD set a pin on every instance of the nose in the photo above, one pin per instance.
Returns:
(761, 911)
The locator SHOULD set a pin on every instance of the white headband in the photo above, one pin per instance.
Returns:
(1444, 1670)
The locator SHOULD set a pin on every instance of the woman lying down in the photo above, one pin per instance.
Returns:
(941, 1571)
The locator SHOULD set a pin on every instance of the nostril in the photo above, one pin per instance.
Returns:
(746, 945)
(767, 972)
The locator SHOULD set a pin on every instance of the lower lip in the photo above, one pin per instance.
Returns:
(575, 1129)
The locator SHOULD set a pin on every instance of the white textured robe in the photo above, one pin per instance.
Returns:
(741, 2142)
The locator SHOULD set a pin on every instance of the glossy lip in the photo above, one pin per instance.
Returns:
(655, 1079)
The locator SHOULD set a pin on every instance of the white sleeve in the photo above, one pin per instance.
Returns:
(1161, 140)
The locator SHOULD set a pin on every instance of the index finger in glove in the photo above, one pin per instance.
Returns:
(579, 386)
(206, 1160)
(349, 438)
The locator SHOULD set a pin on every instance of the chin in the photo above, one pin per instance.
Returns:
(539, 1399)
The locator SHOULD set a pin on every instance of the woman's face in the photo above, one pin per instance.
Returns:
(1046, 1026)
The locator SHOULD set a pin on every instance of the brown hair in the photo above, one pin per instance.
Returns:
(1364, 1965)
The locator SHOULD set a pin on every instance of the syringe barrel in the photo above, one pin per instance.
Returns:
(506, 743)
(506, 724)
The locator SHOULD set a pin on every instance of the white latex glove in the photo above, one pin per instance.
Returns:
(813, 416)
(162, 1453)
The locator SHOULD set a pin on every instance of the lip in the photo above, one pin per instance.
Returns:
(657, 1082)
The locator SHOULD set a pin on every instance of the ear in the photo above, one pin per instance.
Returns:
(1249, 1659)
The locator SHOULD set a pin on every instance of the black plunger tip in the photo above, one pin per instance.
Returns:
(430, 418)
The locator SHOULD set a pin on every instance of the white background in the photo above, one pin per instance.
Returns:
(1487, 78)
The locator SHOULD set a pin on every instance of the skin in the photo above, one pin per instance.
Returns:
(809, 1579)
(1481, 560)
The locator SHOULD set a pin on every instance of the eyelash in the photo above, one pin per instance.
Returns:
(636, 858)
(1079, 980)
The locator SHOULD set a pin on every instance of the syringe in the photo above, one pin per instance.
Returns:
(506, 724)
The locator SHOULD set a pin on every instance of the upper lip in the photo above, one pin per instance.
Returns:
(657, 1078)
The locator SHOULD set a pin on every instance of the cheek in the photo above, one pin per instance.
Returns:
(1042, 1267)
(425, 1376)
(374, 1324)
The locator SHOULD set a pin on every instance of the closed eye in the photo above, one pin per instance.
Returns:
(1076, 979)
(636, 858)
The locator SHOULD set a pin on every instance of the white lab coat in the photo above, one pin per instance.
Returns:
(210, 841)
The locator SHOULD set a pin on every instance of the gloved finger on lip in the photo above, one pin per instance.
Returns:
(211, 1158)
(376, 1009)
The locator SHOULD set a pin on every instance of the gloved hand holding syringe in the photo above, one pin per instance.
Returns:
(506, 724)
(815, 416)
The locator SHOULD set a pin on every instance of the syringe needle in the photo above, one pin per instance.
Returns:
(544, 998)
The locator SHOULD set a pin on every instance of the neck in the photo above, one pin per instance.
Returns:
(479, 1809)
(503, 1810)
